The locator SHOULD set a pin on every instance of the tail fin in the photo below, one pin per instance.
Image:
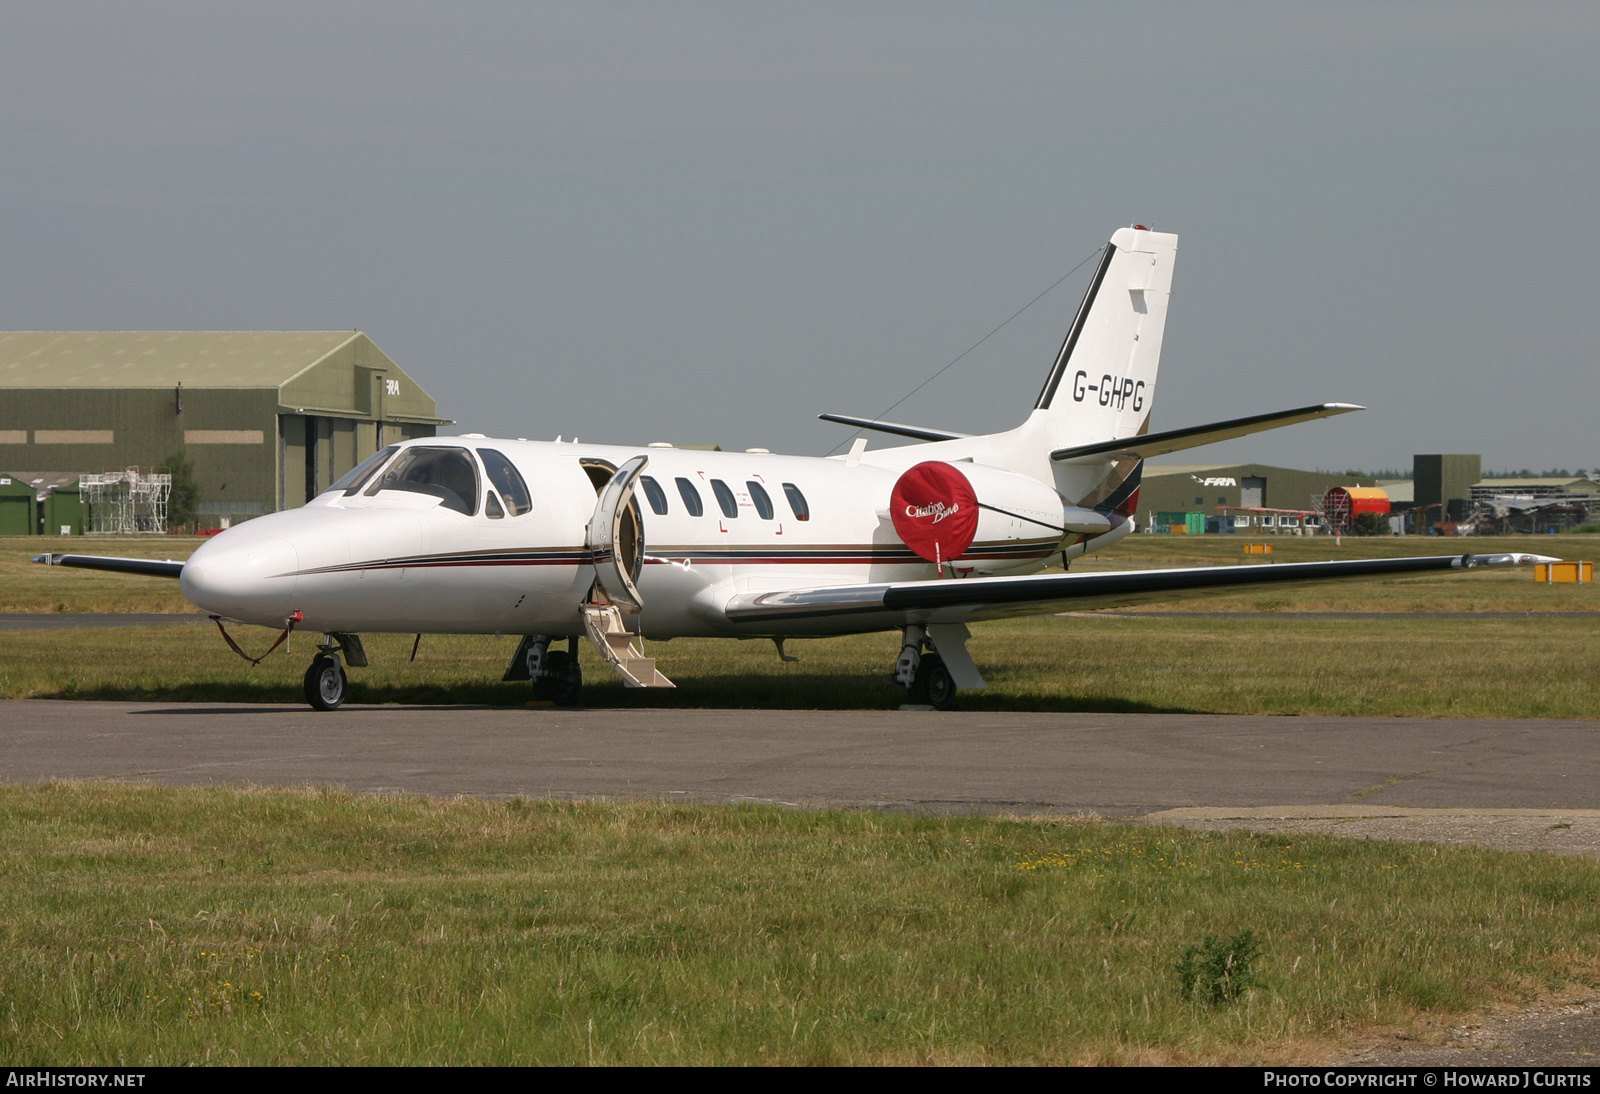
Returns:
(1104, 378)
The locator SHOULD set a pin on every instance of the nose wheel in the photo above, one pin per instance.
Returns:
(325, 682)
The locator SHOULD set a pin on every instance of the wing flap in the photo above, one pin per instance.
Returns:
(993, 597)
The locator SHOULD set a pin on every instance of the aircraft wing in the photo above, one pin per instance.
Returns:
(151, 567)
(851, 607)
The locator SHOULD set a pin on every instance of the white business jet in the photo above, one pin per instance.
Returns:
(559, 542)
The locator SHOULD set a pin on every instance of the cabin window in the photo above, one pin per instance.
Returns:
(725, 498)
(503, 473)
(354, 479)
(491, 507)
(758, 494)
(656, 496)
(448, 474)
(691, 497)
(797, 501)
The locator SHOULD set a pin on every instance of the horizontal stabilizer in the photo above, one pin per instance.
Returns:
(150, 567)
(1176, 440)
(950, 601)
(921, 433)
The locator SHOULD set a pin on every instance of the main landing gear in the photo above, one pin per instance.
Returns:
(557, 678)
(934, 663)
(925, 676)
(326, 684)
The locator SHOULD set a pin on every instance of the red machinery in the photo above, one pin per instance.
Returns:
(1343, 504)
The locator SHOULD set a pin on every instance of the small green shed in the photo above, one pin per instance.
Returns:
(63, 511)
(16, 506)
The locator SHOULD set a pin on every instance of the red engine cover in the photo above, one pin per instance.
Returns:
(935, 511)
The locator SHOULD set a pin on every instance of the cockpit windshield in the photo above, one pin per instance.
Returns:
(354, 479)
(449, 474)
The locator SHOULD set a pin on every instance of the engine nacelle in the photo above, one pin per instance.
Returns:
(984, 517)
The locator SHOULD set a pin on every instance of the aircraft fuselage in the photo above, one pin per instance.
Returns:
(392, 560)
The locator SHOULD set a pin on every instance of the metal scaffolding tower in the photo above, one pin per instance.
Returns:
(126, 502)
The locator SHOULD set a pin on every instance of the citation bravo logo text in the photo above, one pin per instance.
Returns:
(1522, 1080)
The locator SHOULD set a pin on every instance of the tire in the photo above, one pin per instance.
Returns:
(325, 683)
(562, 682)
(934, 685)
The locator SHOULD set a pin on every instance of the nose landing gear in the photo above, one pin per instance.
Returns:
(326, 683)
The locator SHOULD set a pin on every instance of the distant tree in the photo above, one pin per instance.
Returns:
(184, 499)
(1370, 524)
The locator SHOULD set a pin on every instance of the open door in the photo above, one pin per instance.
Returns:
(616, 537)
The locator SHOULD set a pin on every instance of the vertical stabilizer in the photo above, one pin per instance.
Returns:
(1104, 378)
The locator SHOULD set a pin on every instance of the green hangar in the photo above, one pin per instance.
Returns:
(270, 418)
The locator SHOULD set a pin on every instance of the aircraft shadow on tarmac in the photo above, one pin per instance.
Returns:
(732, 691)
(278, 709)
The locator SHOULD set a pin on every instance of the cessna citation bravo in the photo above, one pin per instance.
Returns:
(566, 542)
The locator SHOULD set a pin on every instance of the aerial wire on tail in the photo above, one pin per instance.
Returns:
(1091, 257)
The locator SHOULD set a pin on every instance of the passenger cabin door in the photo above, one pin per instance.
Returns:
(616, 537)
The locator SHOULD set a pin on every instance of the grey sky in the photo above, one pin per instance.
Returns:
(711, 222)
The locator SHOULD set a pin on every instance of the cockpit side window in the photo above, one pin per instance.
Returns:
(503, 473)
(449, 474)
(691, 497)
(354, 479)
(656, 496)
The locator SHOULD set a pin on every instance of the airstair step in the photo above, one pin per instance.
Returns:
(611, 637)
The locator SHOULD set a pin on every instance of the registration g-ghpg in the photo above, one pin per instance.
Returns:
(1116, 391)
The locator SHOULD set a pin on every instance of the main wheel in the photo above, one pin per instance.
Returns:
(325, 683)
(562, 681)
(934, 685)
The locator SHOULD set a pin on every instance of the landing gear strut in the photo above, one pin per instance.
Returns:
(923, 674)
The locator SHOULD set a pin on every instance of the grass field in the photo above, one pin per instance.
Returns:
(174, 926)
(1409, 666)
(1545, 664)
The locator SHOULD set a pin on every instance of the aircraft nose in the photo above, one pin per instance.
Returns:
(251, 578)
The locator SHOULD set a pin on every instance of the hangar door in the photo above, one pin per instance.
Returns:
(16, 514)
(1253, 492)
